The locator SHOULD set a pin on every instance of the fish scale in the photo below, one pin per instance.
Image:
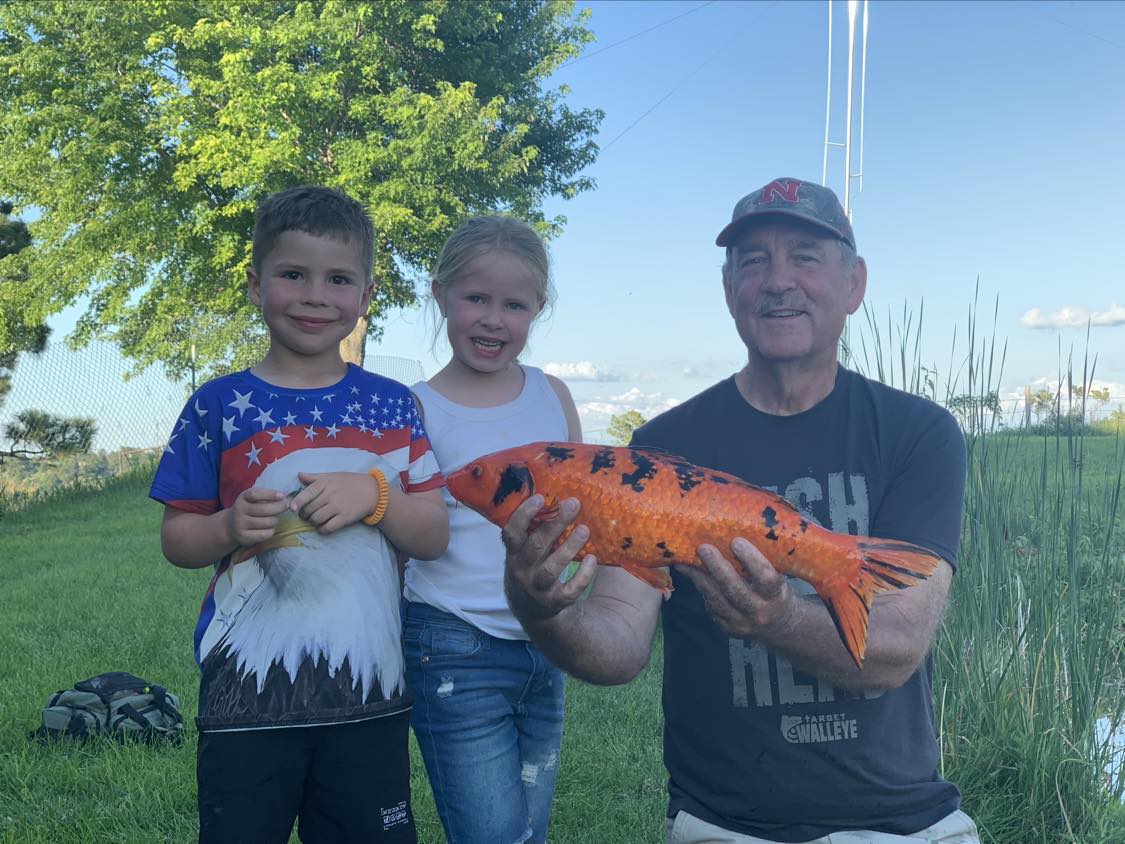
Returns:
(648, 509)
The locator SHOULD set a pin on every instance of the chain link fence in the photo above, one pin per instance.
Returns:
(135, 414)
(130, 414)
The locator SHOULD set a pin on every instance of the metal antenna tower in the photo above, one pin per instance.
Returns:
(855, 12)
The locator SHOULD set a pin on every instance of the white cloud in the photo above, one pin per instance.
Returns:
(1012, 399)
(582, 370)
(1072, 316)
(1051, 384)
(1114, 316)
(710, 368)
(596, 413)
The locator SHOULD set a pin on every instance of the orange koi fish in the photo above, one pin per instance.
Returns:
(647, 509)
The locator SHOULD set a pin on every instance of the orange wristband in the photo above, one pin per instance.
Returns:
(380, 506)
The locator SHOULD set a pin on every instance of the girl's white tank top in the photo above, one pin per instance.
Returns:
(468, 580)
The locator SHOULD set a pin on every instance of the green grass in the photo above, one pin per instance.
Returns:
(1032, 650)
(87, 590)
(1030, 654)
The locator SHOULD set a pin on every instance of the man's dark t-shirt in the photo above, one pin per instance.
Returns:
(750, 743)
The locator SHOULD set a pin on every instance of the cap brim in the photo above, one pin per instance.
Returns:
(727, 234)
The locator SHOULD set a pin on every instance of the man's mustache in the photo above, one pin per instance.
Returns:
(780, 303)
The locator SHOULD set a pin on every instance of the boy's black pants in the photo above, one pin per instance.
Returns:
(344, 783)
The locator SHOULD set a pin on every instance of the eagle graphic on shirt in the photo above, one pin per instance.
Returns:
(309, 632)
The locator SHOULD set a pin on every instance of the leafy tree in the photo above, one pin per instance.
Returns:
(1044, 405)
(1114, 423)
(34, 431)
(1100, 398)
(622, 425)
(15, 337)
(145, 132)
(976, 412)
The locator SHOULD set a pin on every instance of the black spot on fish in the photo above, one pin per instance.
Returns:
(645, 470)
(771, 535)
(770, 515)
(689, 476)
(514, 478)
(792, 551)
(719, 479)
(627, 544)
(804, 525)
(603, 459)
(558, 454)
(665, 552)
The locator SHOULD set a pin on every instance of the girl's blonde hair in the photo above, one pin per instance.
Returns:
(483, 234)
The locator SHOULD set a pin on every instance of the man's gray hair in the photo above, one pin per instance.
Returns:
(847, 254)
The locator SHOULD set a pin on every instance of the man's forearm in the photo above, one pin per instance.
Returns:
(812, 644)
(602, 640)
(900, 631)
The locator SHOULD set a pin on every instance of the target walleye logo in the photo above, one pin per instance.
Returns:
(814, 729)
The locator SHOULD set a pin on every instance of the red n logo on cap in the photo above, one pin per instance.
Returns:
(780, 190)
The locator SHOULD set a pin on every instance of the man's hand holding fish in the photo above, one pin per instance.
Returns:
(539, 588)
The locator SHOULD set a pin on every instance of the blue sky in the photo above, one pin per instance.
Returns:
(993, 150)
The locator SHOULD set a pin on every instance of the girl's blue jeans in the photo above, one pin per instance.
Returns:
(488, 716)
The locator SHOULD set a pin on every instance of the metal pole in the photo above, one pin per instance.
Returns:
(828, 103)
(862, 94)
(852, 8)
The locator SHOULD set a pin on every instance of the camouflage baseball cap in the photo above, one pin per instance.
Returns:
(806, 201)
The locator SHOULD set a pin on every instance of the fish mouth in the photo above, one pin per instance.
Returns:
(459, 484)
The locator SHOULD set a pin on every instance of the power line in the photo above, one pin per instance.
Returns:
(1082, 31)
(637, 34)
(674, 89)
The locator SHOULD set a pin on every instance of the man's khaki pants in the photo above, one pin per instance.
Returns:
(957, 828)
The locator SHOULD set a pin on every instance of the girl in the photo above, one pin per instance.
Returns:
(488, 707)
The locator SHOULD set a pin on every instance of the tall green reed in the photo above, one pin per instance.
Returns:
(1030, 654)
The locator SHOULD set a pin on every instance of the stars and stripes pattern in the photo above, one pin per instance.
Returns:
(237, 432)
(233, 428)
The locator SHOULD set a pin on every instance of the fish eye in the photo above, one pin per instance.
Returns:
(476, 471)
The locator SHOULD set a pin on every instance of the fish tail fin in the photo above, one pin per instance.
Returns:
(883, 565)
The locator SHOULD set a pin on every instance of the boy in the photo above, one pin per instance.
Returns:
(298, 478)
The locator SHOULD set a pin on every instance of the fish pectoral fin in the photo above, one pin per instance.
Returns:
(548, 513)
(656, 578)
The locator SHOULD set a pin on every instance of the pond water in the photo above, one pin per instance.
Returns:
(1116, 739)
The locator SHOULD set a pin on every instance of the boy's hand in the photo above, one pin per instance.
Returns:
(253, 516)
(332, 500)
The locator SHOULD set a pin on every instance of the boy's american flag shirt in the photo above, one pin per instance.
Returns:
(311, 634)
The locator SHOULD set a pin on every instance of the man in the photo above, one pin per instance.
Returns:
(771, 732)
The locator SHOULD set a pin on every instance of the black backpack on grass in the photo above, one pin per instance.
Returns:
(116, 704)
